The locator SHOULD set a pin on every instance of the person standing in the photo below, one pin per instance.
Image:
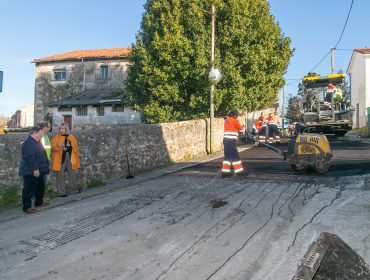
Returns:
(66, 159)
(45, 141)
(273, 123)
(33, 166)
(232, 127)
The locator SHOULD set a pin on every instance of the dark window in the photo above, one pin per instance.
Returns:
(82, 111)
(100, 111)
(60, 75)
(118, 108)
(104, 72)
(64, 109)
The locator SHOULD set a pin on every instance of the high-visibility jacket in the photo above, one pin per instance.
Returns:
(232, 127)
(272, 120)
(45, 141)
(258, 124)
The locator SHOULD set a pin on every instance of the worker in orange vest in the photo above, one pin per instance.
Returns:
(273, 122)
(232, 127)
(261, 125)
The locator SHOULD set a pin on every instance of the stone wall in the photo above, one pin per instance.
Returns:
(104, 152)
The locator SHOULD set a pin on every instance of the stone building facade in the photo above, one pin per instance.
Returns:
(83, 88)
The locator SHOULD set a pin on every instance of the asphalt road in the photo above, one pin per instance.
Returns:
(189, 223)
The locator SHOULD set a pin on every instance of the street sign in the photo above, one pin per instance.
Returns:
(1, 81)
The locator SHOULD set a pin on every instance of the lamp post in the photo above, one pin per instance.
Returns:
(214, 76)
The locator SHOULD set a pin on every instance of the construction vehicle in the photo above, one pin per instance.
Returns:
(304, 151)
(326, 104)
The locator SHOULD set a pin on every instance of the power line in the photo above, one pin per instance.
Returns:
(340, 38)
(344, 28)
(350, 50)
(321, 61)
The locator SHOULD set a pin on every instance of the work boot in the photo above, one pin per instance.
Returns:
(30, 210)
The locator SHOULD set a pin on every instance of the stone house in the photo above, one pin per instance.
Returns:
(359, 71)
(83, 88)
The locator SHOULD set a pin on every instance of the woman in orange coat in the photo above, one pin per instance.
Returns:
(65, 159)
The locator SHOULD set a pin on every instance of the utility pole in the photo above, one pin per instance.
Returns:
(332, 60)
(212, 113)
(283, 109)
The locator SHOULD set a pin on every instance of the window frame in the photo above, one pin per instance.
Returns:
(62, 77)
(104, 72)
(82, 111)
(100, 111)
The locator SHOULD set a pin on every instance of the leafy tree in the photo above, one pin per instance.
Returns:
(170, 62)
(294, 109)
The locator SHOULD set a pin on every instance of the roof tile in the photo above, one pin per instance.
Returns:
(86, 54)
(363, 50)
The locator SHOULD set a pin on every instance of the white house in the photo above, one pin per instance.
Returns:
(359, 71)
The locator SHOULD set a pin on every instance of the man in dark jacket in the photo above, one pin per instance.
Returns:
(33, 166)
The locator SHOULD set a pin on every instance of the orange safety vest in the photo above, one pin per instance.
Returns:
(232, 128)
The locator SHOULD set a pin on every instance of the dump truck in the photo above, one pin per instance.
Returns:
(326, 104)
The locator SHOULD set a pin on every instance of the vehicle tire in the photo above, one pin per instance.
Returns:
(299, 167)
(321, 168)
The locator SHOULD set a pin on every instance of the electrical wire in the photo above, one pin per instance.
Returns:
(344, 28)
(340, 38)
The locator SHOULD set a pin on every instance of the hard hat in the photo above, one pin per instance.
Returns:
(233, 113)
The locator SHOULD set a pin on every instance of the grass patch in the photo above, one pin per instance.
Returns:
(93, 183)
(49, 191)
(187, 156)
(10, 197)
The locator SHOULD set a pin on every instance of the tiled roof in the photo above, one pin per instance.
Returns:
(363, 51)
(86, 54)
(94, 97)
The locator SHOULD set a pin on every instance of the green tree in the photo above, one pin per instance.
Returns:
(294, 109)
(167, 79)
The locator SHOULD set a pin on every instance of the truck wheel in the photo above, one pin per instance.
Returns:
(298, 167)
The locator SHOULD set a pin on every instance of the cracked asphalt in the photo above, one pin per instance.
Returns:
(186, 222)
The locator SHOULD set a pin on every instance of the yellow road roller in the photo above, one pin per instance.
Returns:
(309, 150)
(305, 151)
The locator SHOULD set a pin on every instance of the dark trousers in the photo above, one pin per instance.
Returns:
(33, 186)
(230, 151)
(273, 130)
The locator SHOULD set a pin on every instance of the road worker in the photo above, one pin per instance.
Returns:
(232, 127)
(296, 128)
(273, 122)
(261, 127)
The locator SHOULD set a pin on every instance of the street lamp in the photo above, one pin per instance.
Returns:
(214, 76)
